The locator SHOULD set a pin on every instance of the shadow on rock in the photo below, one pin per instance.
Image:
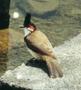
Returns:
(5, 86)
(38, 64)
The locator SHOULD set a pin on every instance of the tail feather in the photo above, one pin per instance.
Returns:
(54, 67)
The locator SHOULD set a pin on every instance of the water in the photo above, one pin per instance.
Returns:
(3, 64)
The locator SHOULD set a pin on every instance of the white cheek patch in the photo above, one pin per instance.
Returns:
(30, 29)
(26, 31)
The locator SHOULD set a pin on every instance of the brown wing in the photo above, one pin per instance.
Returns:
(39, 43)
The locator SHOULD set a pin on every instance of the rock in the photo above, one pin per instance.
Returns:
(69, 56)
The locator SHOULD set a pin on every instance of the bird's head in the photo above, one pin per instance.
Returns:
(28, 27)
(27, 23)
(31, 27)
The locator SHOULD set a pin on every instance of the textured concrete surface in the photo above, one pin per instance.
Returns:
(69, 56)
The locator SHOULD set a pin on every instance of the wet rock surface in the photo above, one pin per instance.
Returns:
(35, 78)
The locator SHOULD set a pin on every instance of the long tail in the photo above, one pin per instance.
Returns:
(54, 67)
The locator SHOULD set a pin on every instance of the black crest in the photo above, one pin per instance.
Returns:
(27, 19)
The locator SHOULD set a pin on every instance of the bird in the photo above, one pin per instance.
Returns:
(40, 47)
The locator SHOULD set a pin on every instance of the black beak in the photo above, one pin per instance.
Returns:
(21, 26)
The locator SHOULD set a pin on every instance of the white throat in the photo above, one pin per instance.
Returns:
(26, 32)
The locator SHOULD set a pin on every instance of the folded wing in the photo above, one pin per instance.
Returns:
(39, 43)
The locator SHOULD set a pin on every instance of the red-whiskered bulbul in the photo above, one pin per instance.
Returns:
(40, 47)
